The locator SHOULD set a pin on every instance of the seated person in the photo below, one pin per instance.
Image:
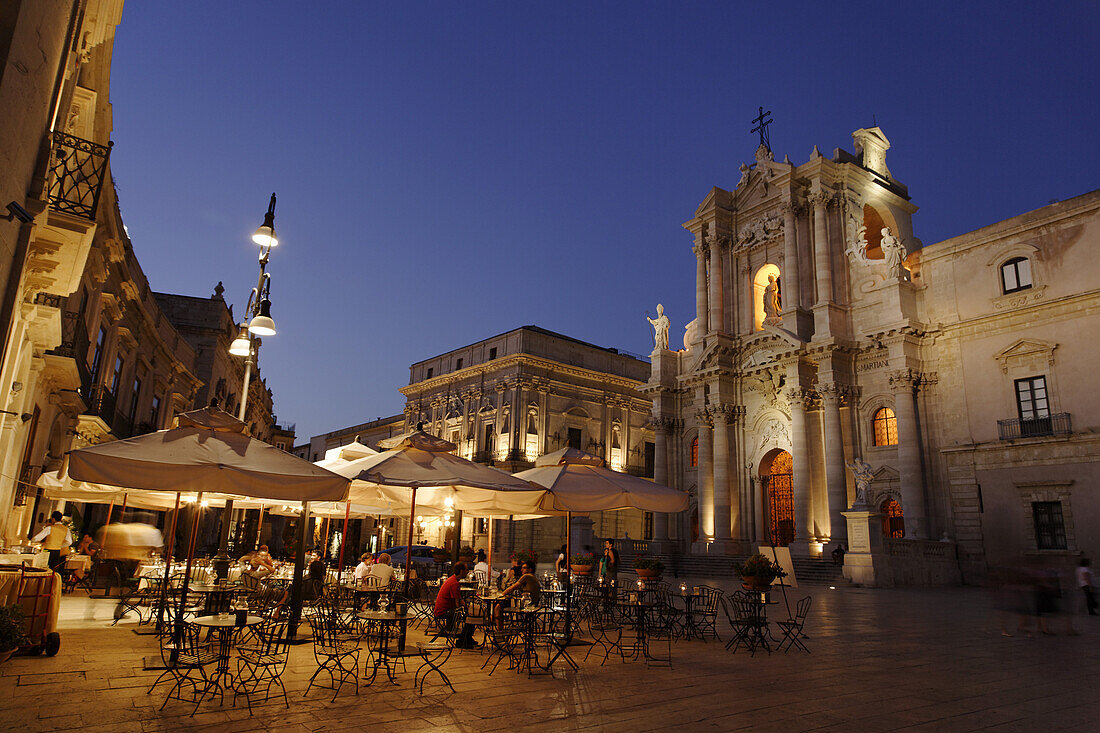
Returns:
(260, 564)
(448, 601)
(318, 573)
(362, 570)
(382, 571)
(481, 569)
(511, 575)
(527, 583)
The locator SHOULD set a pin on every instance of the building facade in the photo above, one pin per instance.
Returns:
(827, 339)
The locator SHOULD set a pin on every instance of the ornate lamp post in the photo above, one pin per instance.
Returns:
(257, 323)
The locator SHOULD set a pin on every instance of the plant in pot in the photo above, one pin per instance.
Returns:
(467, 554)
(11, 630)
(440, 554)
(648, 567)
(758, 572)
(582, 564)
(526, 556)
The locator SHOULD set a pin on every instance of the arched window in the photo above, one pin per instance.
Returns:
(893, 523)
(885, 426)
(1016, 275)
(695, 452)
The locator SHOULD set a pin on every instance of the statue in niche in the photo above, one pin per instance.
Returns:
(660, 329)
(893, 252)
(772, 306)
(863, 475)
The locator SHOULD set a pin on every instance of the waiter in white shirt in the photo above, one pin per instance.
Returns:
(54, 536)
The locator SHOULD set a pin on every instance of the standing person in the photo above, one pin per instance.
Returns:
(561, 566)
(56, 535)
(1083, 580)
(609, 563)
(447, 603)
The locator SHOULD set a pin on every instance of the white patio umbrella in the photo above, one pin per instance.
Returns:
(420, 468)
(208, 451)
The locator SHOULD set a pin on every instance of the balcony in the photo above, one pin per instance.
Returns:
(77, 170)
(74, 345)
(1038, 427)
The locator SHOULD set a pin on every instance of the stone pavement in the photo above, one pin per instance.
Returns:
(881, 660)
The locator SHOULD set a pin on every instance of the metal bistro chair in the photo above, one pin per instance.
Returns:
(706, 619)
(437, 651)
(261, 663)
(335, 655)
(749, 628)
(606, 631)
(186, 655)
(553, 631)
(792, 628)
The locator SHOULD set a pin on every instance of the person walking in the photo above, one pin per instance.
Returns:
(54, 537)
(1083, 580)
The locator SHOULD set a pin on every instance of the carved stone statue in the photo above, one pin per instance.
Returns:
(893, 252)
(863, 475)
(772, 308)
(745, 171)
(660, 329)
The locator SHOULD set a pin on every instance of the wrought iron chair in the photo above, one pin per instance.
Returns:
(261, 663)
(606, 630)
(554, 633)
(749, 627)
(792, 628)
(186, 655)
(707, 614)
(335, 655)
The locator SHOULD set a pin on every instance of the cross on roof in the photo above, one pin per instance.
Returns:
(762, 121)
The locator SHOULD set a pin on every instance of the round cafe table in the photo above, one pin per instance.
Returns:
(689, 627)
(217, 597)
(225, 628)
(383, 654)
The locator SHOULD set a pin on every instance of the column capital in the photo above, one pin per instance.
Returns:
(704, 418)
(790, 207)
(904, 380)
(727, 413)
(831, 392)
(701, 251)
(819, 200)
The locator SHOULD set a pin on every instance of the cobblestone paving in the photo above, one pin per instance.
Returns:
(881, 660)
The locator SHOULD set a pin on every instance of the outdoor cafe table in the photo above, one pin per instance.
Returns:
(690, 628)
(217, 597)
(361, 592)
(640, 610)
(529, 658)
(383, 654)
(225, 627)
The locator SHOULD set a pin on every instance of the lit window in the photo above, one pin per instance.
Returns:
(695, 452)
(1050, 528)
(1016, 275)
(893, 523)
(885, 427)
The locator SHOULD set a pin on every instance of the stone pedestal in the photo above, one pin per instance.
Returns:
(864, 563)
(664, 365)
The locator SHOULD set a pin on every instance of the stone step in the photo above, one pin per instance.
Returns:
(808, 570)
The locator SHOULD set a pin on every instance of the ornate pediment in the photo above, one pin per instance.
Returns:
(1026, 349)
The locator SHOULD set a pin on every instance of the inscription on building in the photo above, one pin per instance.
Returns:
(870, 366)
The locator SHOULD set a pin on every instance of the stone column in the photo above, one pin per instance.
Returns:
(820, 201)
(903, 384)
(721, 414)
(518, 422)
(716, 321)
(660, 472)
(705, 475)
(498, 424)
(800, 468)
(700, 287)
(791, 297)
(835, 483)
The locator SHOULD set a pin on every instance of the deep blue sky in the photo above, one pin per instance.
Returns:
(448, 171)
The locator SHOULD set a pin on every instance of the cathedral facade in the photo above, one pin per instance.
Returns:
(836, 363)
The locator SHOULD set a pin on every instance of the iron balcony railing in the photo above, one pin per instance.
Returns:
(1036, 427)
(74, 345)
(77, 170)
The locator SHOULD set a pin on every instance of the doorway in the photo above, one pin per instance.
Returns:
(777, 485)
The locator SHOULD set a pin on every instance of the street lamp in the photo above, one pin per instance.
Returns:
(257, 323)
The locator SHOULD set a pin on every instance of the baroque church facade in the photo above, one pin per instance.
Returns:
(835, 363)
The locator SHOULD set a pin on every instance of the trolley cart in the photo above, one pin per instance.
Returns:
(39, 594)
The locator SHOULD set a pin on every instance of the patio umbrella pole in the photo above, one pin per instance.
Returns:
(299, 568)
(178, 632)
(343, 543)
(568, 577)
(169, 546)
(408, 564)
(490, 558)
(122, 513)
(259, 528)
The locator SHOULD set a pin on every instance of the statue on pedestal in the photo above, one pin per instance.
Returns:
(660, 329)
(863, 475)
(772, 307)
(893, 252)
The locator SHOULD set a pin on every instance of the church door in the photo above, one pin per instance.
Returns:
(778, 486)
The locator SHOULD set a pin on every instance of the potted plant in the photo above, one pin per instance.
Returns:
(11, 630)
(440, 555)
(526, 556)
(648, 567)
(582, 564)
(758, 572)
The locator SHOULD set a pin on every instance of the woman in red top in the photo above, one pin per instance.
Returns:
(447, 602)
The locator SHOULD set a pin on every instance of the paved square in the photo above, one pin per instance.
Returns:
(881, 660)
